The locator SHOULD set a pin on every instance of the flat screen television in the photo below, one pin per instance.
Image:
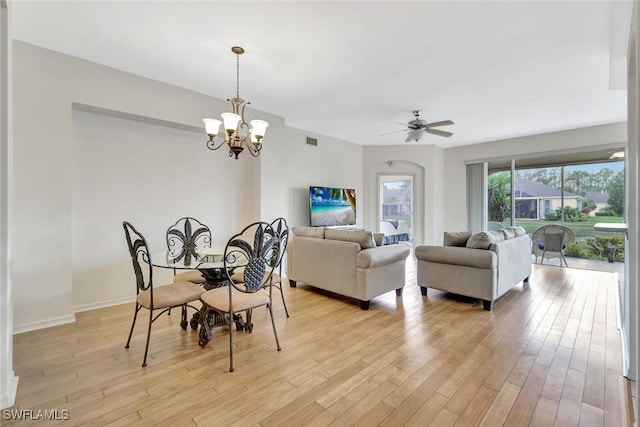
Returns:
(330, 206)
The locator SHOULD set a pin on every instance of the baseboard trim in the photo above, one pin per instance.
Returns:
(12, 389)
(103, 304)
(56, 321)
(28, 327)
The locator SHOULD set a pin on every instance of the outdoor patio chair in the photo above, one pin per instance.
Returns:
(550, 241)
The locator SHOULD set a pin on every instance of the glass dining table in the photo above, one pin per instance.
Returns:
(210, 263)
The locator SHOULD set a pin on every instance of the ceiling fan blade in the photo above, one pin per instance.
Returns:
(442, 123)
(395, 131)
(415, 135)
(440, 132)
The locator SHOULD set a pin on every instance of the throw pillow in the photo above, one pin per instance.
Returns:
(484, 239)
(509, 233)
(363, 238)
(520, 231)
(456, 238)
(317, 232)
(378, 238)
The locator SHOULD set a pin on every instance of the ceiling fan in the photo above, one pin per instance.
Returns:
(417, 127)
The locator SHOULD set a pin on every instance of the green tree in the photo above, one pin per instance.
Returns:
(602, 178)
(615, 188)
(498, 197)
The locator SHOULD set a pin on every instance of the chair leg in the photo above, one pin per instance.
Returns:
(230, 342)
(135, 316)
(283, 303)
(183, 318)
(273, 323)
(146, 349)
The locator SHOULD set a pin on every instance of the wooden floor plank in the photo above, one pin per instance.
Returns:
(499, 410)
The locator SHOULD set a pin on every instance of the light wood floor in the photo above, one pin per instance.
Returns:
(548, 354)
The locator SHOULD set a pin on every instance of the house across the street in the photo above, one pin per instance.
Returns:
(534, 200)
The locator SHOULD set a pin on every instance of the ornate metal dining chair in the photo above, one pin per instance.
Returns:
(154, 298)
(184, 238)
(281, 229)
(257, 245)
(550, 241)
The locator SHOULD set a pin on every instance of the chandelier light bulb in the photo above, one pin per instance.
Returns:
(258, 128)
(212, 126)
(230, 120)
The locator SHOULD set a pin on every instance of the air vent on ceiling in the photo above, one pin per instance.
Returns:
(312, 141)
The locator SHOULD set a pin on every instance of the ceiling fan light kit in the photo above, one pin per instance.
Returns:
(417, 127)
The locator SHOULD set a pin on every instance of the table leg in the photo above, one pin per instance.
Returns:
(210, 318)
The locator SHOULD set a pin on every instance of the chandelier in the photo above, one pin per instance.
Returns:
(237, 133)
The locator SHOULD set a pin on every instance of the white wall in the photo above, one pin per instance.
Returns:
(8, 380)
(75, 178)
(272, 180)
(333, 163)
(149, 175)
(561, 142)
(425, 162)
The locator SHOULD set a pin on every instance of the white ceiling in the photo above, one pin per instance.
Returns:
(355, 69)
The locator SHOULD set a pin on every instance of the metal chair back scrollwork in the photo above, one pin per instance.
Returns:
(281, 229)
(263, 252)
(139, 251)
(256, 248)
(185, 237)
(162, 298)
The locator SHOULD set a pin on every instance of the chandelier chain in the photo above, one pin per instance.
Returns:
(237, 75)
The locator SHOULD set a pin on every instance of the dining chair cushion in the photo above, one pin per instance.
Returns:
(171, 295)
(218, 298)
(189, 276)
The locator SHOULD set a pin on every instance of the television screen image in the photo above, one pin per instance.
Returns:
(332, 206)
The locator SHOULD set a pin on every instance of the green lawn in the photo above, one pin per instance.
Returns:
(583, 248)
(583, 229)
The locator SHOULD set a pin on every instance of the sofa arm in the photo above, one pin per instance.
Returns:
(455, 255)
(382, 255)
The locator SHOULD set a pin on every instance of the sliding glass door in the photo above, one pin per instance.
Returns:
(576, 196)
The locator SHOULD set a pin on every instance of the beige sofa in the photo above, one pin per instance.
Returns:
(347, 262)
(482, 265)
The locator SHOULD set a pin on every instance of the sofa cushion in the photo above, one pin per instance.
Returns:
(363, 238)
(484, 239)
(378, 238)
(456, 238)
(317, 232)
(379, 256)
(456, 256)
